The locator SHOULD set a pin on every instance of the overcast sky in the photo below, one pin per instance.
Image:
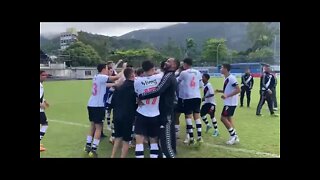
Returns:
(104, 28)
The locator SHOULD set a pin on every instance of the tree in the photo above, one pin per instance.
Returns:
(191, 49)
(136, 57)
(262, 55)
(260, 34)
(171, 49)
(210, 49)
(82, 55)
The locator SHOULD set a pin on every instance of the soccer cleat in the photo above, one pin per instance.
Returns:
(208, 128)
(275, 115)
(200, 140)
(87, 149)
(186, 141)
(233, 140)
(260, 115)
(275, 109)
(93, 154)
(192, 142)
(237, 140)
(42, 149)
(215, 133)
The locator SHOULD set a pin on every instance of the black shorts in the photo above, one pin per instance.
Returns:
(228, 111)
(179, 106)
(208, 108)
(96, 114)
(192, 106)
(123, 129)
(147, 126)
(43, 118)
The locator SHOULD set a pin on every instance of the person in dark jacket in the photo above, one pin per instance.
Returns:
(247, 84)
(166, 90)
(124, 108)
(267, 82)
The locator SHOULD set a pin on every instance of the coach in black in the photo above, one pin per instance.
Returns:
(124, 109)
(166, 90)
(247, 84)
(274, 94)
(267, 82)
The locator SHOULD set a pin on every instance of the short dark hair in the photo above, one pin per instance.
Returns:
(147, 65)
(226, 66)
(128, 72)
(139, 71)
(188, 61)
(266, 65)
(42, 71)
(207, 76)
(129, 66)
(100, 67)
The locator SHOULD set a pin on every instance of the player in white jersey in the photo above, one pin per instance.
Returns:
(108, 97)
(209, 106)
(43, 105)
(96, 109)
(230, 92)
(147, 122)
(190, 81)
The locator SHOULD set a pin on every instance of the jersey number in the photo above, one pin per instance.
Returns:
(154, 100)
(193, 83)
(94, 89)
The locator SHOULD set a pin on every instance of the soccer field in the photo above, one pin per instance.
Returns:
(69, 125)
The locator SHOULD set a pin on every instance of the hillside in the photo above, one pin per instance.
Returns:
(234, 33)
(102, 44)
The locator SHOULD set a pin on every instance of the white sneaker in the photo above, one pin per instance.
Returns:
(233, 140)
(186, 141)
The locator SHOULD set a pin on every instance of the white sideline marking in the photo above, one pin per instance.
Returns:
(207, 144)
(243, 150)
(68, 123)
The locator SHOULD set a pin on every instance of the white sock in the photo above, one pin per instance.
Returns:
(139, 151)
(214, 123)
(189, 127)
(199, 129)
(44, 128)
(89, 139)
(154, 150)
(95, 143)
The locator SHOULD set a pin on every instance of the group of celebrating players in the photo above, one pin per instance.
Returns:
(146, 105)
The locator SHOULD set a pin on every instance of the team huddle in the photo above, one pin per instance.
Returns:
(146, 105)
